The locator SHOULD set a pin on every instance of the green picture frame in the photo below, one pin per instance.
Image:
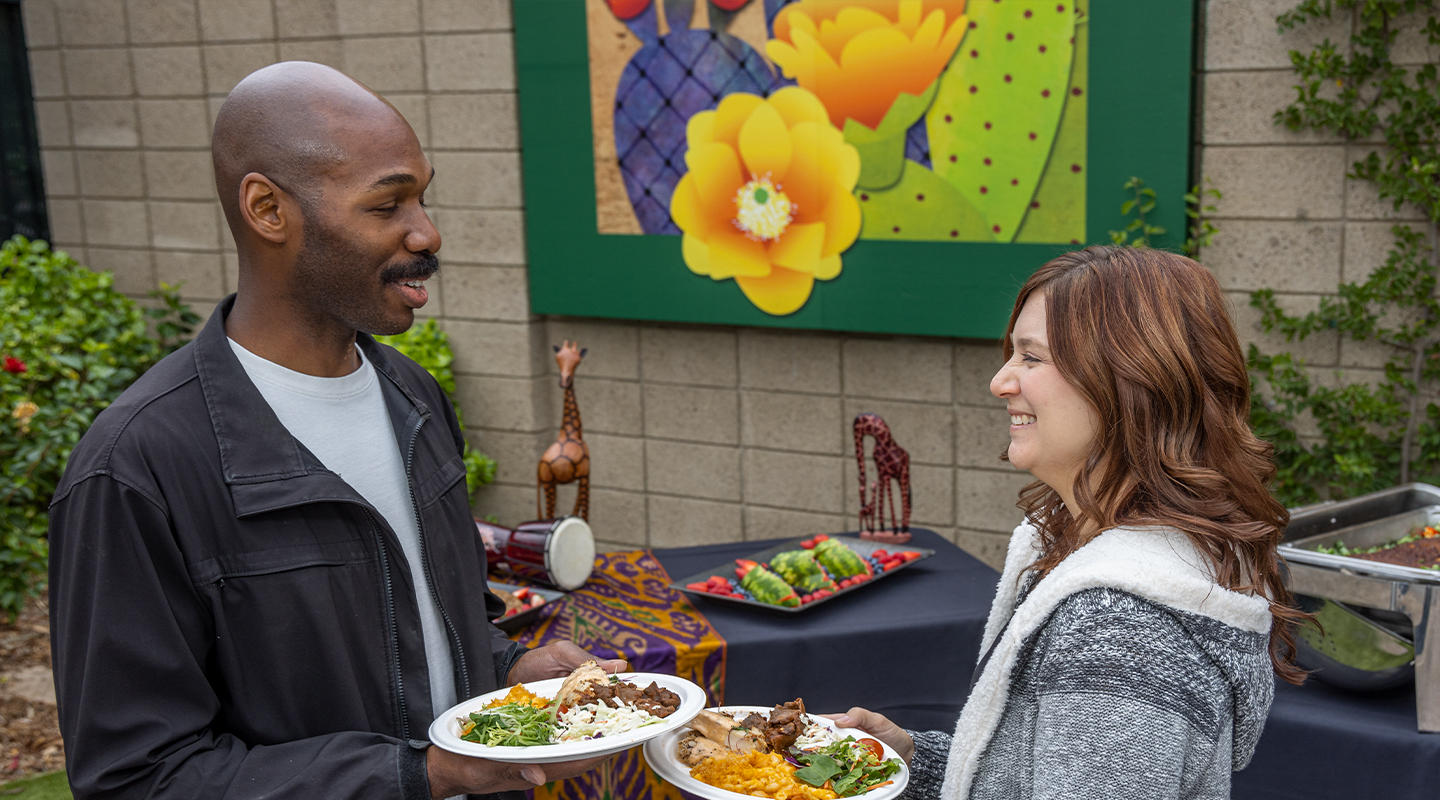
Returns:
(1139, 124)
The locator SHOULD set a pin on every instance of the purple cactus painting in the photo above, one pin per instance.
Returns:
(670, 78)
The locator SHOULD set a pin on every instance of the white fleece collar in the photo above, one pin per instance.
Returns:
(1158, 564)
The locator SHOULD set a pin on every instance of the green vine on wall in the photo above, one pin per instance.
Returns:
(1346, 435)
(1199, 205)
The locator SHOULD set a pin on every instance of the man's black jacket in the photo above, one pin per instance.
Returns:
(230, 618)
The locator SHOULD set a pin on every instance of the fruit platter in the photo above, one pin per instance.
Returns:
(801, 573)
(522, 604)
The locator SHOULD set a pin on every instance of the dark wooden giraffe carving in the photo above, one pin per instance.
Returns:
(567, 459)
(891, 463)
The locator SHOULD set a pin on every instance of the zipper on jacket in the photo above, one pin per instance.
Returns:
(394, 628)
(462, 690)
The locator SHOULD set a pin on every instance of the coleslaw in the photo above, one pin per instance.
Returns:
(594, 720)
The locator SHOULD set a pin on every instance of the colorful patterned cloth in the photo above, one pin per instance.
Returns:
(628, 610)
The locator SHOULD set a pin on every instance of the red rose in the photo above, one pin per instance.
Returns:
(15, 365)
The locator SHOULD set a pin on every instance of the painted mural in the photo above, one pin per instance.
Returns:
(771, 136)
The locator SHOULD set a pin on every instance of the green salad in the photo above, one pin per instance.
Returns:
(510, 725)
(852, 767)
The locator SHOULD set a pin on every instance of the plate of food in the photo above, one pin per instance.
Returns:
(784, 753)
(587, 714)
(801, 573)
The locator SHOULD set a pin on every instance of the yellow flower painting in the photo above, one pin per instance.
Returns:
(768, 198)
(859, 56)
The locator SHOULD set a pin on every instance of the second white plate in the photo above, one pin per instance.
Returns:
(660, 755)
(445, 730)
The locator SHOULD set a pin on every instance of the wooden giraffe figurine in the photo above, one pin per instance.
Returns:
(567, 459)
(891, 463)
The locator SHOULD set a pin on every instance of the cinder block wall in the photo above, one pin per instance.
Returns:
(697, 434)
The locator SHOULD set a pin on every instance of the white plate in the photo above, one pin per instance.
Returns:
(660, 755)
(445, 730)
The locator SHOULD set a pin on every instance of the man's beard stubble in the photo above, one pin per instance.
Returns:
(329, 268)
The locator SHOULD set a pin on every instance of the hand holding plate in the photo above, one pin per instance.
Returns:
(879, 726)
(556, 660)
(451, 774)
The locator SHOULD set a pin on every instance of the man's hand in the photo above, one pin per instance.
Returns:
(452, 774)
(879, 726)
(557, 660)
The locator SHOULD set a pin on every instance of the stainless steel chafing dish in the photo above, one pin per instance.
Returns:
(1367, 521)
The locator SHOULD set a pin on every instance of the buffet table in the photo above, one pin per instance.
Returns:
(905, 646)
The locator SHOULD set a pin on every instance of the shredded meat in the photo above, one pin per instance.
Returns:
(787, 721)
(653, 699)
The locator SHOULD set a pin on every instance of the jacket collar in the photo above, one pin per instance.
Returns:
(263, 464)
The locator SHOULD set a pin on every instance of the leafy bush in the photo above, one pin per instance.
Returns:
(429, 347)
(69, 344)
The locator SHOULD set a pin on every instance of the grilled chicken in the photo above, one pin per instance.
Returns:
(724, 731)
(695, 748)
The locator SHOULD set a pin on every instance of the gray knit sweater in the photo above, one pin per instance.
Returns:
(1145, 689)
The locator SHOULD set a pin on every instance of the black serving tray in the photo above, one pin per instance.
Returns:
(514, 623)
(864, 547)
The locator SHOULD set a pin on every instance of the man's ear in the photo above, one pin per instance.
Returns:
(267, 209)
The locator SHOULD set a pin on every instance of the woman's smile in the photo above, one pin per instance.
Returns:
(1052, 426)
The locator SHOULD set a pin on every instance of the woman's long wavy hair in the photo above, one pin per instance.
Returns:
(1145, 336)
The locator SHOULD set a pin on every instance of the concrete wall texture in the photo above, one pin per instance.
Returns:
(697, 434)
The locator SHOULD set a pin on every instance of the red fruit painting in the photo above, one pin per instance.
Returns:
(628, 9)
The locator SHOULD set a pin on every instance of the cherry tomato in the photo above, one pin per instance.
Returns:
(628, 9)
(730, 5)
(875, 747)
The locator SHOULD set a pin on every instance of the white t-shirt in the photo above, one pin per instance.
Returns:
(345, 423)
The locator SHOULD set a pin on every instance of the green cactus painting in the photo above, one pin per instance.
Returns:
(1057, 212)
(998, 112)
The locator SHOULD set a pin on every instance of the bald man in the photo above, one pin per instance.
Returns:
(265, 580)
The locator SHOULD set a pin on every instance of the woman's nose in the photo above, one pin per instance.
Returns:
(1003, 385)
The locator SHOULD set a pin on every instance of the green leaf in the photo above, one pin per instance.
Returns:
(818, 769)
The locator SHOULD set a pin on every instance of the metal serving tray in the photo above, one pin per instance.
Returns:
(1367, 521)
(1372, 533)
(864, 547)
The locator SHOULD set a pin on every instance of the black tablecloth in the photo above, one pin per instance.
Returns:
(1322, 743)
(903, 646)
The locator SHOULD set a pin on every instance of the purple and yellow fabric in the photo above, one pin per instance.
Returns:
(628, 610)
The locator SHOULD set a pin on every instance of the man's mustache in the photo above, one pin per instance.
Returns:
(419, 268)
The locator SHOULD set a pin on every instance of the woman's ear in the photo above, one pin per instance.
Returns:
(266, 208)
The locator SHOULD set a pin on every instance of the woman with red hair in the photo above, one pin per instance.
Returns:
(1141, 615)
